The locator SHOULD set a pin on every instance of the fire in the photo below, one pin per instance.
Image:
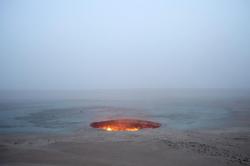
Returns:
(108, 128)
(132, 129)
(124, 125)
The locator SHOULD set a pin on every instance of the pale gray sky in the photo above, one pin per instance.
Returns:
(97, 44)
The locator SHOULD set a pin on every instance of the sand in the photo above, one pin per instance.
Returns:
(150, 147)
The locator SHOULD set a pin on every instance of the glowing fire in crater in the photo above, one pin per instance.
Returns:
(124, 125)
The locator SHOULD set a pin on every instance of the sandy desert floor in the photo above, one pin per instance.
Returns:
(209, 130)
(147, 147)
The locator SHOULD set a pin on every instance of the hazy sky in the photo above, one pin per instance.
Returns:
(96, 44)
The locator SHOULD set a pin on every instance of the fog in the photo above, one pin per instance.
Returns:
(112, 44)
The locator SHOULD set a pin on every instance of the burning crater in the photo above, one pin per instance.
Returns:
(124, 125)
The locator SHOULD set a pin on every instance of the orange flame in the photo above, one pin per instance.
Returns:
(110, 128)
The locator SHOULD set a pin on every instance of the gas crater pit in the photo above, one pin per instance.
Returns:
(124, 125)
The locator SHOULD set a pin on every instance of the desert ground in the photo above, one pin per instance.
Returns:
(147, 147)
